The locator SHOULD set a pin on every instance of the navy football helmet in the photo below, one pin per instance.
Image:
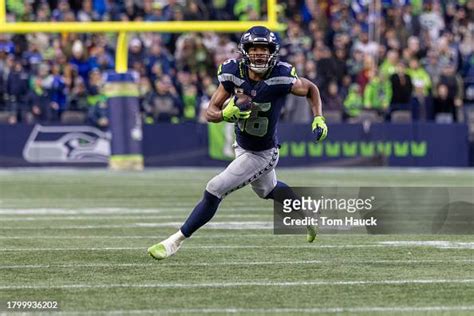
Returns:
(259, 36)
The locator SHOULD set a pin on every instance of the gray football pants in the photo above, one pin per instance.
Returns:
(256, 168)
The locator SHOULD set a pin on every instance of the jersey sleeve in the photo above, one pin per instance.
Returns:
(283, 78)
(228, 75)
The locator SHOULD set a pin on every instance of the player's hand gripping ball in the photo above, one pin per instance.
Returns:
(243, 102)
(238, 108)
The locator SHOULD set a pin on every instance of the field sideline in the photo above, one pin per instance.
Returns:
(79, 237)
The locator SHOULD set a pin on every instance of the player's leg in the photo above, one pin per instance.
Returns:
(244, 169)
(268, 187)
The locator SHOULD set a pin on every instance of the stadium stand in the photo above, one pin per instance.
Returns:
(425, 50)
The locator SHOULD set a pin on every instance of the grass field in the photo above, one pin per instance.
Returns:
(80, 238)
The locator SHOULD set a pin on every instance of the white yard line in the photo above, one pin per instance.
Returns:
(443, 244)
(93, 237)
(225, 263)
(234, 284)
(202, 236)
(199, 236)
(190, 247)
(115, 217)
(310, 310)
(124, 211)
(234, 225)
(173, 264)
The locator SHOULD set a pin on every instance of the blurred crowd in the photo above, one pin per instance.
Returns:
(413, 56)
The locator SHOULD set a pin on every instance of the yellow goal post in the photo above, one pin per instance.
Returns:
(122, 28)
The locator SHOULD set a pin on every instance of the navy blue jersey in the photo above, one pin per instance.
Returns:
(268, 97)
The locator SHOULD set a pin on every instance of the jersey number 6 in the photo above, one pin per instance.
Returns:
(256, 125)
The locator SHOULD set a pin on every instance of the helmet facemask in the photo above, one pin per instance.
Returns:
(260, 62)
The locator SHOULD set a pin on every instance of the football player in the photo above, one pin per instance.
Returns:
(257, 85)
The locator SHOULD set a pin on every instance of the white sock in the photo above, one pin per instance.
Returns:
(177, 237)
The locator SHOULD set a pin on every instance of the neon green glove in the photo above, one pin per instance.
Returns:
(320, 128)
(231, 113)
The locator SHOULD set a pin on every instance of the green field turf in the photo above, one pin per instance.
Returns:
(80, 238)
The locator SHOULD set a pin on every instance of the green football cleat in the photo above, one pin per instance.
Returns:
(311, 233)
(158, 251)
(164, 249)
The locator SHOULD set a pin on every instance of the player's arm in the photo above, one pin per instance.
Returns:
(231, 113)
(214, 110)
(305, 88)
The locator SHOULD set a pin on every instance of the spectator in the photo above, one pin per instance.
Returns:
(296, 110)
(78, 97)
(389, 65)
(311, 73)
(98, 111)
(431, 20)
(422, 84)
(87, 13)
(137, 52)
(95, 88)
(367, 47)
(414, 49)
(17, 89)
(353, 103)
(247, 10)
(80, 61)
(355, 64)
(453, 82)
(39, 99)
(327, 67)
(195, 11)
(377, 93)
(208, 90)
(159, 58)
(101, 58)
(443, 103)
(3, 90)
(98, 115)
(436, 36)
(190, 100)
(331, 98)
(223, 50)
(340, 63)
(164, 105)
(57, 92)
(402, 89)
(170, 9)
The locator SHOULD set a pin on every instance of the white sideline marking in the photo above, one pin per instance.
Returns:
(431, 243)
(312, 310)
(93, 217)
(349, 246)
(213, 225)
(202, 236)
(224, 263)
(116, 210)
(231, 284)
(173, 264)
(64, 211)
(190, 247)
(216, 225)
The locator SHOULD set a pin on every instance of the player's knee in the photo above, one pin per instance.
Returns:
(262, 192)
(213, 187)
